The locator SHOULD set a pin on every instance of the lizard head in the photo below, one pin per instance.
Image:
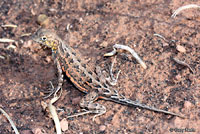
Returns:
(47, 37)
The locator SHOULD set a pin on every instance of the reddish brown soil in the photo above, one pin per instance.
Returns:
(94, 27)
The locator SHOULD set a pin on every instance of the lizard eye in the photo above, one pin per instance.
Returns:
(44, 38)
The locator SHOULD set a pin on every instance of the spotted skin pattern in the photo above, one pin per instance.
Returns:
(69, 62)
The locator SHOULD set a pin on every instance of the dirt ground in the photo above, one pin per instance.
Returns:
(93, 27)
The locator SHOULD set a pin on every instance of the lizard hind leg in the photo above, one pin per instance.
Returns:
(87, 103)
(111, 79)
(103, 74)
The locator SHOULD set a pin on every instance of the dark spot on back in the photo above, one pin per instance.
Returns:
(74, 53)
(67, 55)
(97, 86)
(97, 79)
(90, 80)
(78, 60)
(72, 74)
(95, 104)
(71, 61)
(65, 67)
(105, 85)
(83, 74)
(107, 91)
(80, 79)
(63, 64)
(90, 72)
(84, 65)
(76, 67)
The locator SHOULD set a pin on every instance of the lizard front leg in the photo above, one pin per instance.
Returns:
(87, 103)
(60, 81)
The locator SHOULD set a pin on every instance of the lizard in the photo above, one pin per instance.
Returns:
(69, 62)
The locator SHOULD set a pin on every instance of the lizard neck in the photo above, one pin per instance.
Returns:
(55, 54)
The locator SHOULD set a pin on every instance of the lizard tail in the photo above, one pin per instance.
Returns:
(123, 100)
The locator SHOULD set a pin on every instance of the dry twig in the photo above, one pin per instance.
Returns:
(54, 114)
(183, 63)
(9, 119)
(9, 25)
(135, 55)
(183, 8)
(6, 40)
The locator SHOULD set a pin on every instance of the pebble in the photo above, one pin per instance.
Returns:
(43, 20)
(165, 44)
(104, 44)
(102, 128)
(178, 77)
(64, 124)
(187, 104)
(180, 48)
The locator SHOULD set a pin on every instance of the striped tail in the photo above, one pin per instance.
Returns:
(123, 100)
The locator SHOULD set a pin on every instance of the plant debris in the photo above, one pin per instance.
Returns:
(127, 48)
(6, 40)
(183, 8)
(183, 63)
(9, 119)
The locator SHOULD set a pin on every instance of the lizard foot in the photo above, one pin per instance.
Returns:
(88, 103)
(52, 90)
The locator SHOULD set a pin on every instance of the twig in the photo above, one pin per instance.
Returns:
(2, 57)
(11, 46)
(183, 8)
(158, 35)
(54, 114)
(127, 48)
(25, 34)
(9, 25)
(5, 40)
(183, 63)
(9, 119)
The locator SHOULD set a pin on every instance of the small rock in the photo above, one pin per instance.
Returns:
(104, 44)
(102, 128)
(180, 48)
(64, 124)
(187, 105)
(165, 44)
(178, 77)
(43, 20)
